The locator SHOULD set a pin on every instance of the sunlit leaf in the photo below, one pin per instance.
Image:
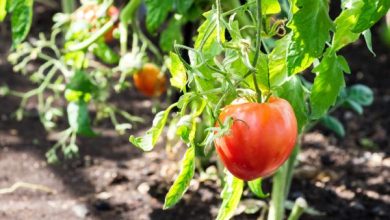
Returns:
(3, 11)
(327, 84)
(310, 28)
(344, 23)
(178, 71)
(367, 38)
(371, 12)
(356, 17)
(277, 62)
(207, 36)
(270, 7)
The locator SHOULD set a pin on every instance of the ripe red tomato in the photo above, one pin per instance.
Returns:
(260, 139)
(150, 81)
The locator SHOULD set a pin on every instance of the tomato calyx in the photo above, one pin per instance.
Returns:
(248, 95)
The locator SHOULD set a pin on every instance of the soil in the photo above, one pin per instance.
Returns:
(341, 178)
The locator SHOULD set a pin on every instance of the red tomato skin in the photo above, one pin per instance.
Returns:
(150, 81)
(260, 139)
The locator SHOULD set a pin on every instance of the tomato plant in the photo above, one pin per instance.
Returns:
(68, 72)
(260, 139)
(256, 50)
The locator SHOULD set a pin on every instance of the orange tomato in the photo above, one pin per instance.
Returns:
(149, 80)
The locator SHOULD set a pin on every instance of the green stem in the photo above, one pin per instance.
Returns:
(92, 39)
(68, 6)
(219, 12)
(290, 167)
(258, 46)
(235, 5)
(299, 207)
(128, 12)
(153, 48)
(281, 186)
(276, 210)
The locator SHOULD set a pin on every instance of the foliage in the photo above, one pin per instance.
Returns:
(242, 51)
(227, 63)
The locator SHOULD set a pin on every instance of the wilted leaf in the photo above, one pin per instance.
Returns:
(148, 141)
(231, 195)
(182, 182)
(178, 71)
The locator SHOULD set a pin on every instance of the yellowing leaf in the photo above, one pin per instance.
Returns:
(178, 71)
(269, 7)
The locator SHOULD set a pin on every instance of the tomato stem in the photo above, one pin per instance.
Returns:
(258, 46)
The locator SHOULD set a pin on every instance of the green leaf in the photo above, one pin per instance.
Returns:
(269, 7)
(293, 91)
(361, 94)
(327, 84)
(22, 11)
(3, 11)
(178, 71)
(371, 12)
(231, 195)
(355, 106)
(156, 13)
(81, 82)
(183, 6)
(261, 74)
(255, 187)
(310, 28)
(149, 140)
(356, 17)
(208, 35)
(182, 182)
(277, 65)
(105, 53)
(333, 124)
(367, 39)
(344, 23)
(78, 118)
(343, 64)
(171, 35)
